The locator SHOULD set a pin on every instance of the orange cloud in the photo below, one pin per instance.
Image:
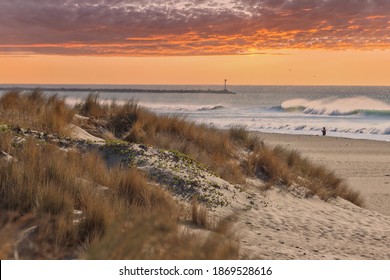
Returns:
(183, 27)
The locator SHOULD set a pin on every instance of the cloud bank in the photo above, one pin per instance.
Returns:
(183, 27)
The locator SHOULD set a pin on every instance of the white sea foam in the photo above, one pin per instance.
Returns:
(181, 107)
(338, 106)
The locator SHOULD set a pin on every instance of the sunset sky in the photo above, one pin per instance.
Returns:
(292, 42)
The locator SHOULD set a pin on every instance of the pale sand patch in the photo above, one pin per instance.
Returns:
(280, 225)
(79, 133)
(364, 164)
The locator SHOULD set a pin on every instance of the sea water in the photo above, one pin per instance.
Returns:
(351, 112)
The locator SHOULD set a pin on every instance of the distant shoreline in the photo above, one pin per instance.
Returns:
(131, 90)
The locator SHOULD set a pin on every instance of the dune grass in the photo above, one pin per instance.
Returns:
(199, 215)
(288, 167)
(49, 185)
(264, 163)
(43, 182)
(78, 204)
(220, 150)
(157, 238)
(36, 111)
(207, 145)
(210, 146)
(279, 165)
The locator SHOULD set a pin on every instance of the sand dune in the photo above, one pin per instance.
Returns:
(281, 224)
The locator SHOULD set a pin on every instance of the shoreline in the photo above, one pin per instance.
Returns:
(364, 164)
(330, 134)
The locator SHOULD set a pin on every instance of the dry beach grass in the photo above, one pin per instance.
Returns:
(36, 111)
(63, 194)
(118, 200)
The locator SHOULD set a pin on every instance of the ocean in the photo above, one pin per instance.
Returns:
(345, 111)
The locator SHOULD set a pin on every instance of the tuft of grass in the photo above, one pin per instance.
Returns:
(92, 107)
(199, 215)
(99, 215)
(155, 237)
(136, 192)
(6, 141)
(263, 162)
(17, 192)
(279, 164)
(54, 213)
(240, 135)
(123, 118)
(34, 110)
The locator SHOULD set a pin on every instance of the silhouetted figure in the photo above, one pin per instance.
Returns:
(323, 131)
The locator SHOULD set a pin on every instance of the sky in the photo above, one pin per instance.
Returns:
(280, 42)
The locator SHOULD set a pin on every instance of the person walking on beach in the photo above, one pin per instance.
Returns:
(323, 131)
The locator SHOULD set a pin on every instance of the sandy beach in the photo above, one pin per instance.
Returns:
(283, 224)
(364, 164)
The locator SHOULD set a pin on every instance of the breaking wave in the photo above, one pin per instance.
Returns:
(338, 106)
(218, 107)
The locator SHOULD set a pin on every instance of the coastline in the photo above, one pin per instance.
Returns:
(364, 164)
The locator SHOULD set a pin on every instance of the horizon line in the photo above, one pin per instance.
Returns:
(172, 84)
